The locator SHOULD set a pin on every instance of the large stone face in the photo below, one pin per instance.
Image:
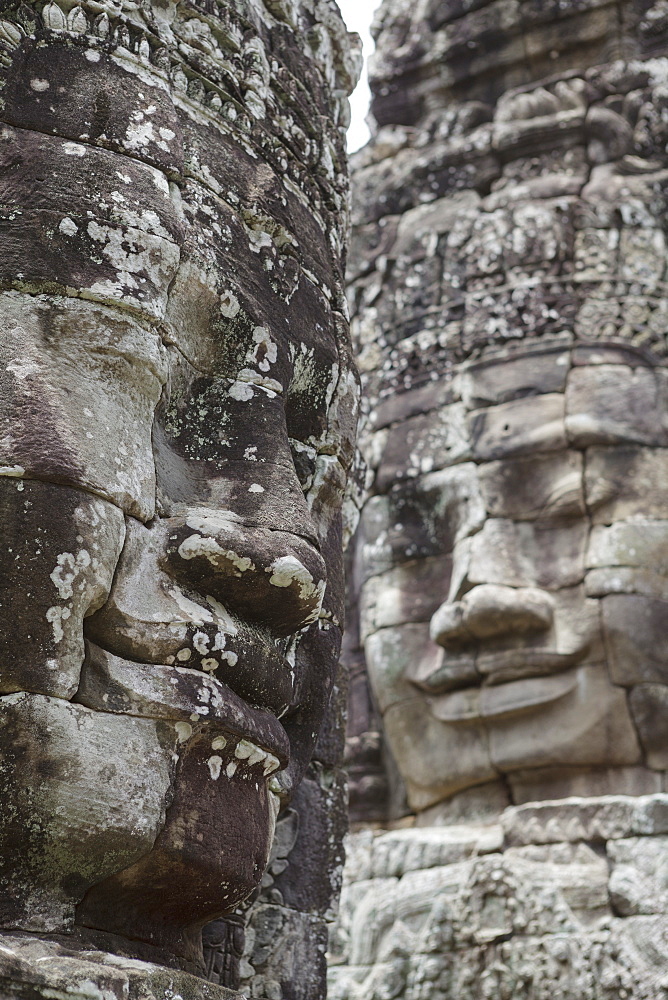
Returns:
(506, 288)
(176, 430)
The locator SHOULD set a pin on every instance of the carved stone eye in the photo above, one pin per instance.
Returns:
(304, 459)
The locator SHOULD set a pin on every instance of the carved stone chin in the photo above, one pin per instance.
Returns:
(176, 428)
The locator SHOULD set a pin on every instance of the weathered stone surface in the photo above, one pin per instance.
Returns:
(424, 443)
(539, 784)
(463, 746)
(518, 426)
(78, 374)
(387, 653)
(42, 966)
(641, 543)
(514, 922)
(484, 384)
(638, 883)
(612, 817)
(95, 788)
(648, 708)
(633, 627)
(389, 599)
(284, 954)
(490, 610)
(534, 487)
(177, 426)
(611, 403)
(625, 482)
(480, 804)
(586, 721)
(391, 854)
(528, 554)
(67, 564)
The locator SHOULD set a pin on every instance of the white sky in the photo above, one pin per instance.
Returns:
(358, 14)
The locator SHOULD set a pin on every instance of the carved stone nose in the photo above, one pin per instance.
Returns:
(491, 610)
(268, 577)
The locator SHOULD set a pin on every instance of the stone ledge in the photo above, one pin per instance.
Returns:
(32, 968)
(608, 817)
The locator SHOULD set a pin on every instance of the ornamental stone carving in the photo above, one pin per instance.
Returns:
(177, 426)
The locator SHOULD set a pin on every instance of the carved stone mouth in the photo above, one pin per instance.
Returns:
(242, 658)
(512, 665)
(190, 698)
(491, 669)
(479, 704)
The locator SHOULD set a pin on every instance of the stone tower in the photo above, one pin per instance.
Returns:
(508, 300)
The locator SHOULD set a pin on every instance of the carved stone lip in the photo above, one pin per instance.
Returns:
(515, 664)
(120, 686)
(497, 668)
(251, 665)
(480, 704)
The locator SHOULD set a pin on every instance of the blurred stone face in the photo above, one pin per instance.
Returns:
(175, 433)
(507, 289)
(515, 562)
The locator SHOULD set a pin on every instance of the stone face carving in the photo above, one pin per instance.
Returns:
(507, 289)
(507, 279)
(176, 431)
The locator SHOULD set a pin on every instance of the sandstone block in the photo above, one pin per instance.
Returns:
(79, 404)
(626, 481)
(584, 355)
(61, 550)
(489, 383)
(434, 395)
(641, 543)
(649, 708)
(411, 592)
(82, 800)
(541, 784)
(423, 443)
(633, 627)
(394, 853)
(610, 403)
(401, 529)
(481, 804)
(528, 554)
(528, 424)
(624, 580)
(397, 656)
(611, 817)
(639, 875)
(534, 487)
(427, 780)
(588, 723)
